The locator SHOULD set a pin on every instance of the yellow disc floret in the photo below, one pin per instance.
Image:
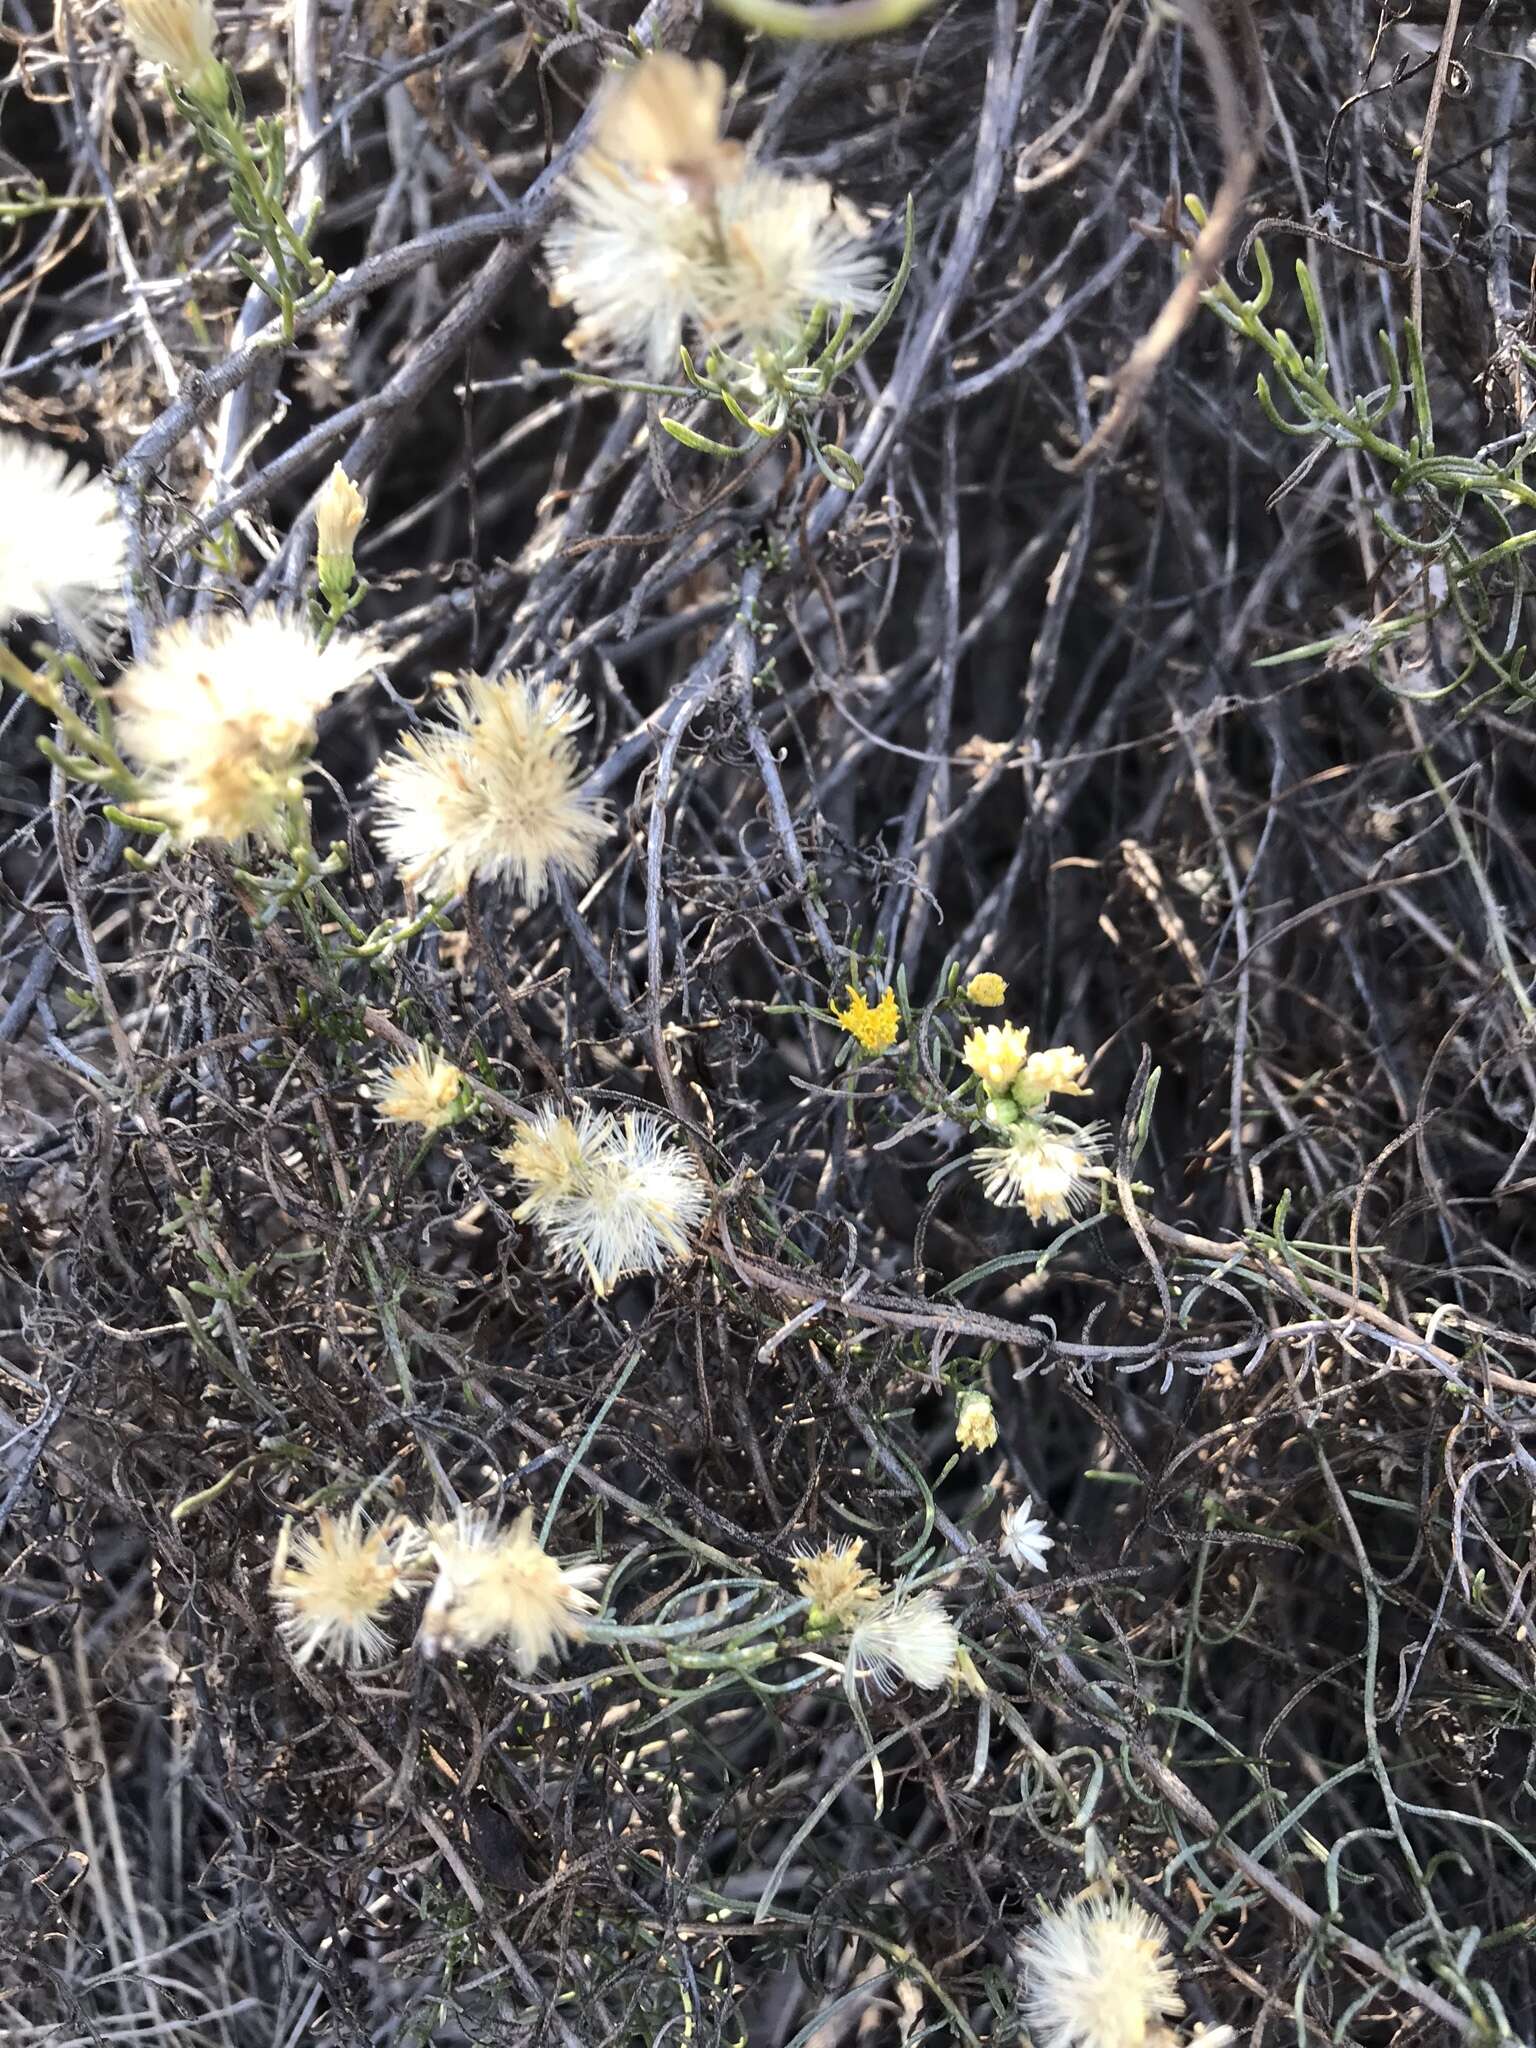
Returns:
(996, 1053)
(986, 991)
(876, 1026)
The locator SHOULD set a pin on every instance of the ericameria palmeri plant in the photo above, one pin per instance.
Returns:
(179, 37)
(1465, 522)
(677, 245)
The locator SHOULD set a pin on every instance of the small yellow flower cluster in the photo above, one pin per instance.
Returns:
(995, 1054)
(986, 991)
(999, 1056)
(1056, 1071)
(488, 1586)
(1045, 1163)
(876, 1027)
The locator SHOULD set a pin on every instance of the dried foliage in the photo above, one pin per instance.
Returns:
(1000, 707)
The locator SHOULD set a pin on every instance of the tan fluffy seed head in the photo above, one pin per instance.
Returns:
(494, 793)
(838, 1586)
(608, 1195)
(221, 714)
(669, 230)
(333, 1584)
(423, 1089)
(662, 118)
(497, 1586)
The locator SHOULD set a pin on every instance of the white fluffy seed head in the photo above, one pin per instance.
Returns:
(496, 792)
(220, 717)
(61, 548)
(1052, 1174)
(907, 1636)
(1098, 1975)
(609, 1196)
(502, 1586)
(785, 246)
(333, 1584)
(670, 230)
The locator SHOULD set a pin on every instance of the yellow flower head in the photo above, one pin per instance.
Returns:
(975, 1423)
(423, 1089)
(838, 1587)
(1056, 1071)
(996, 1053)
(876, 1028)
(987, 991)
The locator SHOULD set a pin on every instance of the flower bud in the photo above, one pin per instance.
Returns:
(339, 513)
(986, 991)
(178, 35)
(975, 1423)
